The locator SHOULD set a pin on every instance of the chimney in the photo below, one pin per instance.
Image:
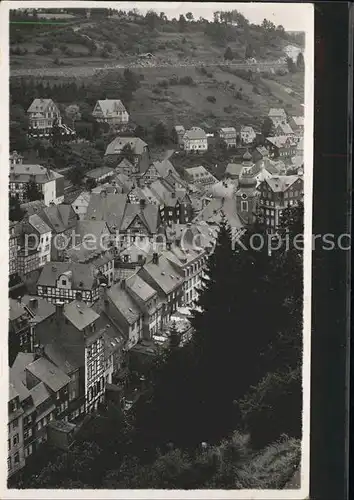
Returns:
(123, 283)
(155, 258)
(38, 351)
(59, 309)
(79, 296)
(33, 303)
(173, 194)
(142, 204)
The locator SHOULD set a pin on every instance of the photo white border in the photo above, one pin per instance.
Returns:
(298, 494)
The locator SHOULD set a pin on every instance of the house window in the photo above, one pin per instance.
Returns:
(17, 458)
(15, 439)
(9, 463)
(63, 282)
(244, 206)
(15, 423)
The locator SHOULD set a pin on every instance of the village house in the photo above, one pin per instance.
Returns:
(15, 457)
(13, 249)
(136, 149)
(157, 170)
(126, 167)
(20, 338)
(80, 204)
(43, 234)
(189, 263)
(62, 221)
(282, 146)
(100, 174)
(229, 136)
(130, 259)
(278, 193)
(65, 280)
(15, 158)
(297, 124)
(283, 129)
(43, 115)
(233, 171)
(277, 115)
(247, 135)
(111, 111)
(195, 140)
(199, 176)
(41, 314)
(43, 396)
(179, 131)
(166, 280)
(49, 183)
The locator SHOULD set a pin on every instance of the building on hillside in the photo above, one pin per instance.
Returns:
(247, 135)
(166, 280)
(134, 148)
(189, 262)
(278, 193)
(277, 115)
(260, 153)
(297, 124)
(233, 171)
(100, 174)
(126, 167)
(80, 204)
(282, 146)
(62, 221)
(136, 195)
(130, 259)
(111, 111)
(283, 129)
(49, 183)
(65, 281)
(179, 131)
(20, 338)
(101, 259)
(33, 207)
(34, 244)
(247, 194)
(200, 176)
(195, 140)
(15, 441)
(229, 136)
(43, 115)
(158, 169)
(43, 234)
(13, 249)
(41, 313)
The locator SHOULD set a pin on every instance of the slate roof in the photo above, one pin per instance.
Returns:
(277, 113)
(59, 217)
(134, 251)
(43, 309)
(164, 167)
(33, 207)
(214, 211)
(21, 172)
(138, 286)
(111, 107)
(199, 173)
(38, 224)
(116, 146)
(109, 208)
(195, 133)
(39, 105)
(281, 183)
(85, 228)
(96, 173)
(234, 169)
(82, 275)
(79, 314)
(124, 303)
(298, 120)
(228, 130)
(281, 141)
(163, 274)
(286, 129)
(68, 358)
(97, 256)
(149, 215)
(16, 310)
(48, 373)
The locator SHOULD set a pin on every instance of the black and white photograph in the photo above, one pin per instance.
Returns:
(159, 191)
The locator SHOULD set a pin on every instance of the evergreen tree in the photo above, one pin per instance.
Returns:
(267, 127)
(160, 134)
(300, 63)
(182, 23)
(228, 55)
(16, 213)
(291, 65)
(140, 132)
(56, 133)
(32, 192)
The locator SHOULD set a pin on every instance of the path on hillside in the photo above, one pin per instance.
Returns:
(85, 71)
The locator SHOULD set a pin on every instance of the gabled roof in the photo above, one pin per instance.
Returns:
(79, 314)
(140, 288)
(298, 120)
(195, 133)
(163, 274)
(281, 141)
(84, 196)
(22, 172)
(42, 310)
(247, 129)
(164, 168)
(16, 310)
(48, 373)
(228, 130)
(82, 275)
(277, 113)
(96, 173)
(109, 208)
(68, 358)
(116, 146)
(234, 169)
(125, 163)
(286, 129)
(33, 207)
(214, 211)
(111, 107)
(40, 105)
(281, 183)
(59, 217)
(149, 215)
(85, 228)
(124, 303)
(38, 224)
(135, 250)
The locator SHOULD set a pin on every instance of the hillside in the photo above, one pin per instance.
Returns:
(121, 38)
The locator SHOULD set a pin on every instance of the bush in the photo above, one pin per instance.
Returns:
(255, 89)
(187, 80)
(156, 90)
(211, 98)
(163, 84)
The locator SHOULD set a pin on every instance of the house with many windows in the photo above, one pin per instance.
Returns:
(43, 115)
(229, 136)
(195, 140)
(278, 193)
(20, 338)
(111, 111)
(15, 457)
